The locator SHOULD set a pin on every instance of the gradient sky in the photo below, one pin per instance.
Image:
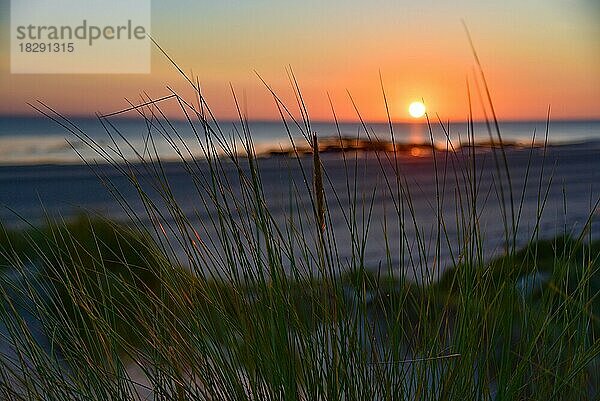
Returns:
(535, 53)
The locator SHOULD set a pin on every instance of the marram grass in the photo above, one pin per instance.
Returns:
(265, 309)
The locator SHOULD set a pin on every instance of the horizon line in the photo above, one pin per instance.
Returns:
(418, 121)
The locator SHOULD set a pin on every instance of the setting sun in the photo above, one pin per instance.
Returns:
(416, 109)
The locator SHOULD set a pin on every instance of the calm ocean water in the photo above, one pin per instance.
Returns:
(39, 140)
(40, 174)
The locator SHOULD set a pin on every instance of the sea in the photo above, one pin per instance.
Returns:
(51, 169)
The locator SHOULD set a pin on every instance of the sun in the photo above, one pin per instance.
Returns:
(416, 109)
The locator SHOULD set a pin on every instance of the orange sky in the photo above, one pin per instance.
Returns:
(538, 54)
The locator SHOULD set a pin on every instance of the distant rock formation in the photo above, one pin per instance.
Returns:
(334, 144)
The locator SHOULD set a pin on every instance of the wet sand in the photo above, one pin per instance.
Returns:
(28, 192)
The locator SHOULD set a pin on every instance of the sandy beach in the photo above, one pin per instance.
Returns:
(571, 171)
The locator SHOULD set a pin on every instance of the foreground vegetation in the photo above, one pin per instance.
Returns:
(525, 325)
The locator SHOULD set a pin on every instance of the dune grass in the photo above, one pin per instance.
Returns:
(266, 309)
(117, 308)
